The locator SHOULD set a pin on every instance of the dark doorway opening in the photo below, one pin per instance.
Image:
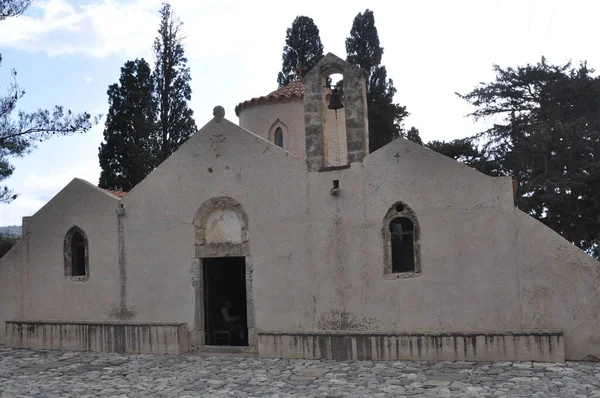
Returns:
(225, 301)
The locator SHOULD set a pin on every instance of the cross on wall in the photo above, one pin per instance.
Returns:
(397, 156)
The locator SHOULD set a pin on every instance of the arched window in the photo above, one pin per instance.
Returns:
(76, 254)
(278, 137)
(401, 243)
(402, 236)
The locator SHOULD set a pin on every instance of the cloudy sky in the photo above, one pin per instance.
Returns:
(68, 52)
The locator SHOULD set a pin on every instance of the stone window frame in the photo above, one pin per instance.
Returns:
(391, 215)
(214, 250)
(284, 131)
(68, 255)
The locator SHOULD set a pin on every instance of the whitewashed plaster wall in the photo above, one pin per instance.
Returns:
(317, 258)
(263, 119)
(33, 284)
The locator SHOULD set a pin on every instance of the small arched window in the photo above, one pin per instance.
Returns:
(278, 137)
(402, 237)
(76, 254)
(401, 243)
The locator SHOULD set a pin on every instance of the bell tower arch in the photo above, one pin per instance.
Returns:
(356, 123)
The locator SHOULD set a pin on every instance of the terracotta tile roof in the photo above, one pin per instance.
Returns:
(119, 194)
(293, 90)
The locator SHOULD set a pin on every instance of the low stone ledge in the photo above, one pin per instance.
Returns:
(515, 345)
(101, 336)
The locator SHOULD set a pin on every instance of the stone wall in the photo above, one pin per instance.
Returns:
(522, 345)
(126, 337)
(316, 114)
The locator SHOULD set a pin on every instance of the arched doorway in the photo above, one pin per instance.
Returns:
(222, 275)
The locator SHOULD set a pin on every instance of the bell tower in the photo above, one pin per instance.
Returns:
(355, 111)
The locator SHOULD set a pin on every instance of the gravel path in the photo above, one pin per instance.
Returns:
(26, 373)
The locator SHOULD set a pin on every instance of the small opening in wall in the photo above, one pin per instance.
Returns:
(402, 235)
(336, 184)
(77, 255)
(210, 169)
(399, 208)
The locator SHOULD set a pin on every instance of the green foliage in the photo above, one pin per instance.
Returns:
(466, 151)
(12, 8)
(19, 133)
(462, 150)
(547, 136)
(172, 86)
(7, 241)
(413, 135)
(303, 49)
(12, 230)
(148, 116)
(363, 49)
(130, 150)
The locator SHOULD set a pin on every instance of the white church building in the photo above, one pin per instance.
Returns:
(317, 248)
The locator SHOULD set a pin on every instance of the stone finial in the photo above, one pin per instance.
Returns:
(219, 112)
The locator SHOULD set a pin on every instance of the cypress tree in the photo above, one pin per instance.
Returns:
(172, 86)
(129, 152)
(149, 117)
(364, 50)
(303, 49)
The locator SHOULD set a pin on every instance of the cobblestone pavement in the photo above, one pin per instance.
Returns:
(25, 373)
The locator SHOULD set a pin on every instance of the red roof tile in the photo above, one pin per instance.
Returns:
(119, 194)
(293, 90)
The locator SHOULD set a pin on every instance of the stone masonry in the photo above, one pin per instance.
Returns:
(355, 108)
(53, 374)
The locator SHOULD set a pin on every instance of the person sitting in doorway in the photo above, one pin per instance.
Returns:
(234, 321)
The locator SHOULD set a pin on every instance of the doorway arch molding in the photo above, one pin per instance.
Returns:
(207, 249)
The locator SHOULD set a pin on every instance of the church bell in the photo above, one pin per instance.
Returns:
(335, 102)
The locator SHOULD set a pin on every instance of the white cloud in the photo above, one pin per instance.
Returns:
(38, 188)
(128, 28)
(53, 182)
(101, 29)
(23, 206)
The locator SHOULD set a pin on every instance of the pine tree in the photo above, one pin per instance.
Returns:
(364, 50)
(546, 135)
(303, 49)
(172, 86)
(19, 130)
(130, 150)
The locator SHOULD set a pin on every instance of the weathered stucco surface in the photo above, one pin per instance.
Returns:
(538, 345)
(263, 118)
(126, 337)
(33, 284)
(318, 259)
(314, 261)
